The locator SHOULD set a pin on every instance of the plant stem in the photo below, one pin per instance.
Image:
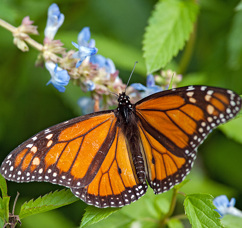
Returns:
(181, 216)
(15, 201)
(187, 52)
(171, 210)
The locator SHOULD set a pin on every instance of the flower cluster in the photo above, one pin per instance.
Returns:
(20, 34)
(89, 70)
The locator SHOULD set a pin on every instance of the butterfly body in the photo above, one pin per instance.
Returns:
(105, 158)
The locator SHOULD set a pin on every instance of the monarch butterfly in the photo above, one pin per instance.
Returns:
(106, 157)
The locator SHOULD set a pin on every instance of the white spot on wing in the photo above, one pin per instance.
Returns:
(29, 145)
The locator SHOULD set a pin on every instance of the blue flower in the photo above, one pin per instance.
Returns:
(90, 85)
(54, 21)
(84, 36)
(82, 53)
(224, 206)
(150, 87)
(103, 62)
(84, 48)
(59, 77)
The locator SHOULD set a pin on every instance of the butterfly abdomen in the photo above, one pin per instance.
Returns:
(125, 114)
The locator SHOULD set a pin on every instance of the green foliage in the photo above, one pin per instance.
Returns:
(94, 215)
(49, 219)
(174, 223)
(4, 202)
(169, 28)
(146, 212)
(116, 220)
(239, 6)
(230, 221)
(231, 129)
(235, 44)
(3, 186)
(4, 208)
(47, 202)
(200, 211)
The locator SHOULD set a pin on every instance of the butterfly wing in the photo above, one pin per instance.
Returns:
(87, 154)
(172, 124)
(56, 154)
(116, 183)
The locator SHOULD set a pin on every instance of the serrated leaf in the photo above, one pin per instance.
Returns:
(3, 186)
(94, 215)
(174, 223)
(169, 28)
(200, 211)
(48, 202)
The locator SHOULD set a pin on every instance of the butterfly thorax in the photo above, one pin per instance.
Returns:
(124, 109)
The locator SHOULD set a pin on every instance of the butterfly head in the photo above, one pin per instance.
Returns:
(124, 106)
(124, 100)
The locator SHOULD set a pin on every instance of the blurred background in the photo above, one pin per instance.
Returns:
(28, 106)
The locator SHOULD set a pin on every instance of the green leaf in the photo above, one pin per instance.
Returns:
(230, 221)
(4, 208)
(55, 219)
(200, 211)
(169, 28)
(48, 202)
(2, 222)
(174, 223)
(116, 220)
(3, 186)
(94, 215)
(149, 206)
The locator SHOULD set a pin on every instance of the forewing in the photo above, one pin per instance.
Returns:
(68, 154)
(174, 123)
(116, 183)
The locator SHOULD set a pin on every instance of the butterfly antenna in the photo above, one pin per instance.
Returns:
(130, 75)
(113, 93)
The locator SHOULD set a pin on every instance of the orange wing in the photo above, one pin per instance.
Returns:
(116, 183)
(172, 124)
(87, 154)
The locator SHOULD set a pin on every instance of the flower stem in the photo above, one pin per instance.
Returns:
(29, 40)
(7, 26)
